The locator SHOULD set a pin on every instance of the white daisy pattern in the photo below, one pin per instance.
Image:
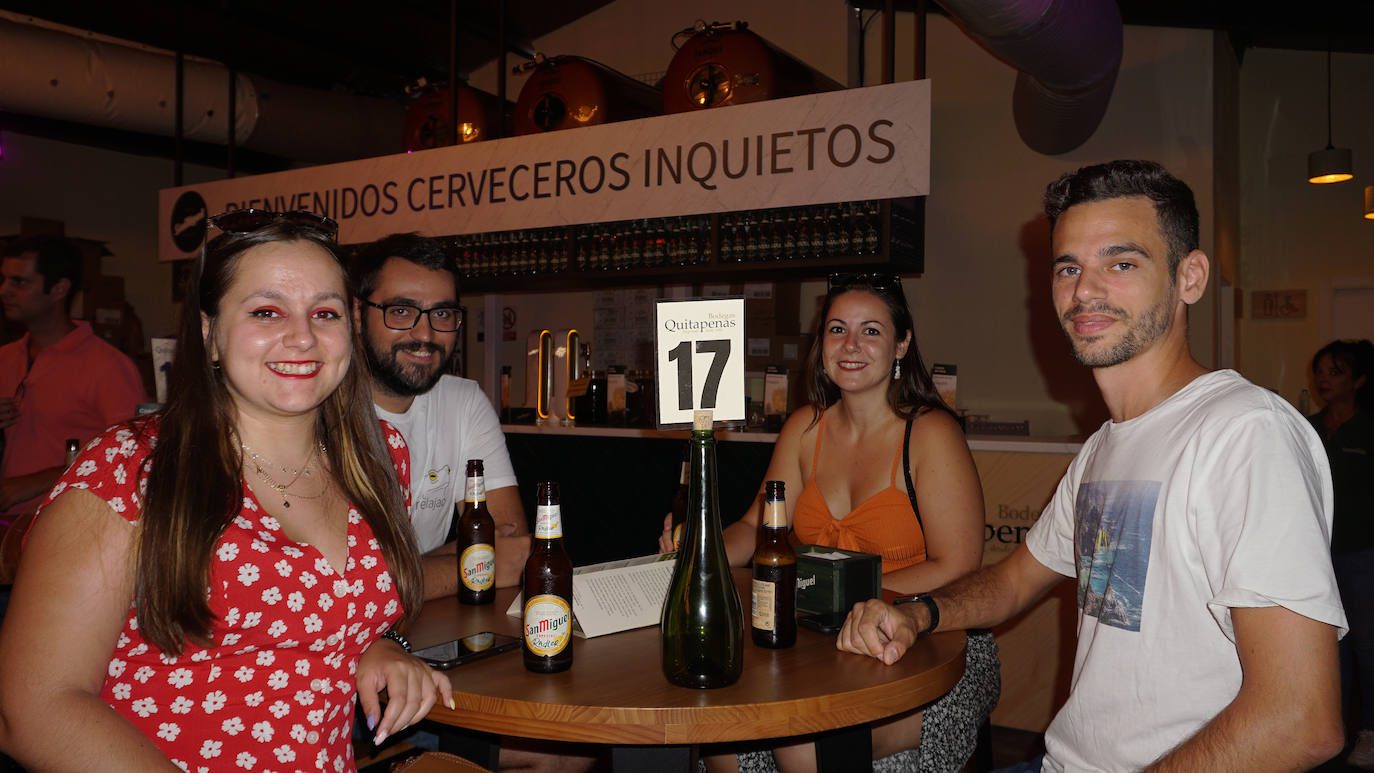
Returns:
(256, 715)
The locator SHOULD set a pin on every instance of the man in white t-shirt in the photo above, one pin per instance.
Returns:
(407, 314)
(1196, 521)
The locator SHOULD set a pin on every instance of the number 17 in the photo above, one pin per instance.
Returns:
(682, 355)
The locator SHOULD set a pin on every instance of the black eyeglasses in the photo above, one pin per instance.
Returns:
(875, 281)
(244, 221)
(403, 316)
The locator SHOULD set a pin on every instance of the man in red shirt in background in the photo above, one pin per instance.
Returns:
(60, 380)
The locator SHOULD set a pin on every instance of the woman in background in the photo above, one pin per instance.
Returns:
(841, 458)
(206, 588)
(1343, 372)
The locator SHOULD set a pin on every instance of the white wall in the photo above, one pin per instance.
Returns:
(1295, 235)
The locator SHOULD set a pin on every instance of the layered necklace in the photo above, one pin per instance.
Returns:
(305, 471)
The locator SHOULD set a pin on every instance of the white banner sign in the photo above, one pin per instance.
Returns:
(700, 359)
(848, 145)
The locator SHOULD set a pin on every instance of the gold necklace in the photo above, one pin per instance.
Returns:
(281, 488)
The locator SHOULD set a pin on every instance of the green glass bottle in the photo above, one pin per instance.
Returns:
(702, 627)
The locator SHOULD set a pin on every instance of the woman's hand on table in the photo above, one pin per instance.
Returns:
(665, 538)
(879, 630)
(412, 688)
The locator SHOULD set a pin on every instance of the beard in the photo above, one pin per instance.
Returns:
(1141, 331)
(405, 380)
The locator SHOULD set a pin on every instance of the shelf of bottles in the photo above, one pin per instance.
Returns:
(795, 241)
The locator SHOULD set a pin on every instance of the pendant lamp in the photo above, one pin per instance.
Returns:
(1331, 164)
(1369, 202)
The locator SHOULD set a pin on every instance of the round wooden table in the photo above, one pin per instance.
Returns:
(615, 692)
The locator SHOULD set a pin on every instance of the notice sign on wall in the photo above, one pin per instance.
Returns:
(700, 357)
(847, 145)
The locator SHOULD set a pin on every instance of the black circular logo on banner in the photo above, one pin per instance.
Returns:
(188, 221)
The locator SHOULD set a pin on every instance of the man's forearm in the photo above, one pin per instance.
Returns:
(440, 570)
(992, 594)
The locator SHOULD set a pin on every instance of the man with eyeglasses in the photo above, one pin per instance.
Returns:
(409, 320)
(408, 316)
(60, 380)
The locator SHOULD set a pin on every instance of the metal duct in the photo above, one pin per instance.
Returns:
(1068, 53)
(51, 73)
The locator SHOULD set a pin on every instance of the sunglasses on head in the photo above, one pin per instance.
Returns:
(876, 281)
(246, 221)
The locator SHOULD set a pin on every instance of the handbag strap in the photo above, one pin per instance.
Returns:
(906, 470)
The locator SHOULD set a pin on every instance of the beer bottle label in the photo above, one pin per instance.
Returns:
(548, 522)
(476, 489)
(765, 605)
(548, 625)
(478, 564)
(677, 536)
(775, 514)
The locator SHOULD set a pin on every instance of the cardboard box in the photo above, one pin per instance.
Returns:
(836, 583)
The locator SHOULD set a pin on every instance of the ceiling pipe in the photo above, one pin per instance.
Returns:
(53, 73)
(1068, 53)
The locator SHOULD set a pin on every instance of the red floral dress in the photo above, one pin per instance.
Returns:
(276, 690)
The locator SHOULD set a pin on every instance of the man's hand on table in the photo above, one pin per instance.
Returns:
(880, 630)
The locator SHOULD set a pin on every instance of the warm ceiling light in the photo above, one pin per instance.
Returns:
(1369, 202)
(1332, 164)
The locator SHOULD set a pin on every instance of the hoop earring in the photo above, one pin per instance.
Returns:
(896, 370)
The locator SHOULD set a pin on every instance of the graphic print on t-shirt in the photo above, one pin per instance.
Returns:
(436, 492)
(1114, 520)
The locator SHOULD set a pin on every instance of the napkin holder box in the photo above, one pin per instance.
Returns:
(826, 586)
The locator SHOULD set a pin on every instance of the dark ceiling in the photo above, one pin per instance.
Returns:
(362, 46)
(373, 48)
(381, 48)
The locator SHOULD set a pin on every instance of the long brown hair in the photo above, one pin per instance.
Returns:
(195, 486)
(914, 391)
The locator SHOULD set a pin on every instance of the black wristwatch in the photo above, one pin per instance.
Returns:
(931, 608)
(399, 639)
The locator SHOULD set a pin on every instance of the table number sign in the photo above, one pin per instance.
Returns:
(700, 359)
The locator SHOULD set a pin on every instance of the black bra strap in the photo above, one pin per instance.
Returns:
(906, 469)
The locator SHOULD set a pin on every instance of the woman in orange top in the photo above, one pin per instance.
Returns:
(843, 452)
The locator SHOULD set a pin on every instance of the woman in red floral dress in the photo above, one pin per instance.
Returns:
(208, 588)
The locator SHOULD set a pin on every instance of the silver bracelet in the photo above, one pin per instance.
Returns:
(399, 639)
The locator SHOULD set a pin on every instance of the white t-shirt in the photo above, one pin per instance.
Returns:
(445, 427)
(1218, 497)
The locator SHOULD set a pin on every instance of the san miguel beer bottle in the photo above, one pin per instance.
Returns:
(775, 575)
(476, 535)
(548, 589)
(702, 627)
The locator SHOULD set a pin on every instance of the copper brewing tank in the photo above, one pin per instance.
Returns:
(728, 64)
(565, 92)
(427, 118)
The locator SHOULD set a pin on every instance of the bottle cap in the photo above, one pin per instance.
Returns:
(701, 420)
